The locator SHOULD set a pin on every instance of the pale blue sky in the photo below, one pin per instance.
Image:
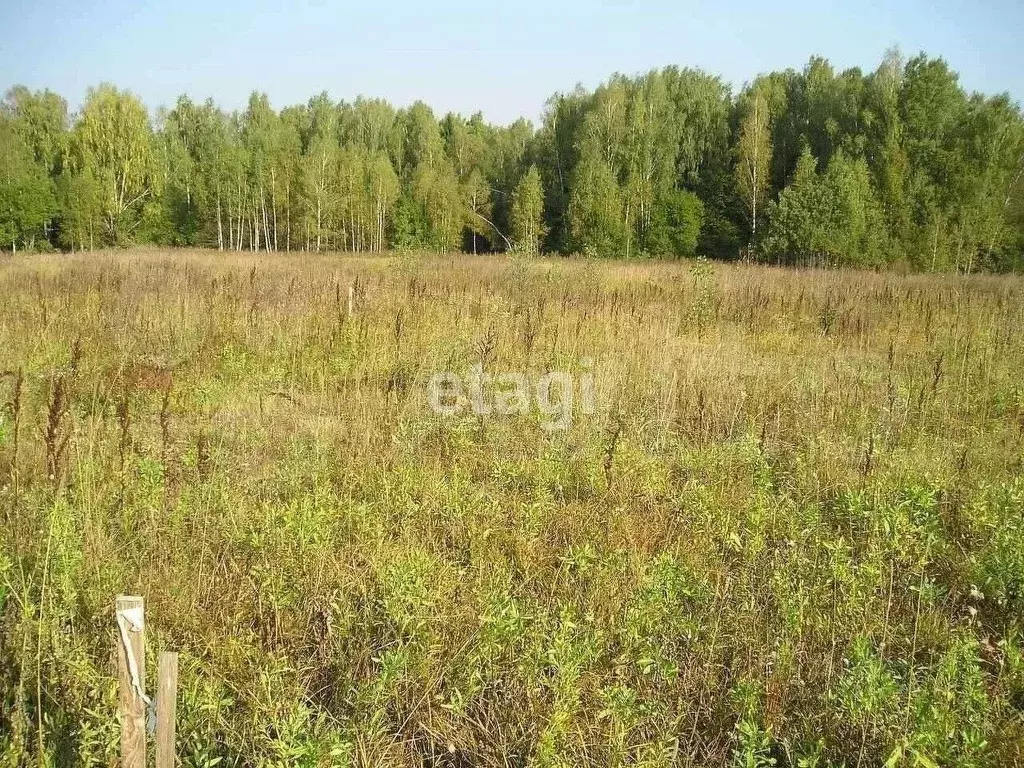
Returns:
(504, 59)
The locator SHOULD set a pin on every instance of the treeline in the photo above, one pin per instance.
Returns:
(898, 166)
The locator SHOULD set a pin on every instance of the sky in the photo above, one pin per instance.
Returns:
(503, 59)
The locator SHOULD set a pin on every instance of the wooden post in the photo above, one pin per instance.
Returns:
(166, 707)
(129, 613)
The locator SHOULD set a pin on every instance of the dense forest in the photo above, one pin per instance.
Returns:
(898, 166)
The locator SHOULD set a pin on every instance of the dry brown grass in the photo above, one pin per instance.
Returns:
(769, 542)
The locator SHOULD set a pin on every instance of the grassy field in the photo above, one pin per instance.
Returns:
(791, 533)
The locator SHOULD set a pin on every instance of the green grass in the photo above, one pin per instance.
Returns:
(792, 535)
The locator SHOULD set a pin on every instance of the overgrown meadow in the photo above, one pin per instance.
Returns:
(790, 535)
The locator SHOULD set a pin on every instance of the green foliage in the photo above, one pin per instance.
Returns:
(479, 207)
(675, 225)
(754, 158)
(595, 210)
(436, 190)
(527, 213)
(828, 219)
(41, 118)
(27, 199)
(112, 142)
(911, 170)
(78, 198)
(410, 226)
(753, 749)
(26, 204)
(800, 217)
(790, 529)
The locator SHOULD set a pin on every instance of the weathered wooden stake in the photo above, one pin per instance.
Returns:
(131, 682)
(166, 707)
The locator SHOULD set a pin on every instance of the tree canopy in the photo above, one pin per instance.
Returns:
(896, 166)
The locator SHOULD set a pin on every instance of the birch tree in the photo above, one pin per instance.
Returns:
(112, 142)
(528, 213)
(753, 160)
